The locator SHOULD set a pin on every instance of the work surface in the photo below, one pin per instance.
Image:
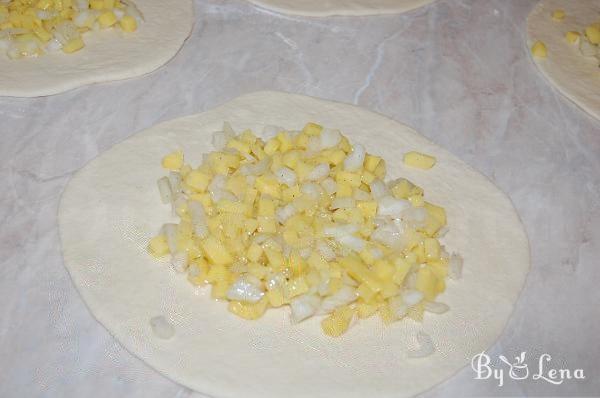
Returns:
(457, 71)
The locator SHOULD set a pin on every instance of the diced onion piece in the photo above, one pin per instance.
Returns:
(355, 159)
(330, 138)
(285, 212)
(246, 288)
(455, 266)
(436, 307)
(426, 346)
(326, 251)
(198, 216)
(304, 307)
(392, 207)
(319, 172)
(164, 188)
(170, 232)
(352, 242)
(311, 189)
(412, 297)
(329, 185)
(179, 261)
(340, 230)
(286, 176)
(378, 189)
(345, 295)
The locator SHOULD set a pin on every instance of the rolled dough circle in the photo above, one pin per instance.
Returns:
(111, 208)
(107, 56)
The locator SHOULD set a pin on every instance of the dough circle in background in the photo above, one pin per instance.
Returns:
(108, 55)
(111, 208)
(324, 8)
(575, 76)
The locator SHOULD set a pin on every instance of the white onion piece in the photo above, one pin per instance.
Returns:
(352, 242)
(343, 203)
(304, 307)
(398, 307)
(414, 215)
(311, 189)
(175, 180)
(319, 172)
(344, 296)
(179, 261)
(53, 45)
(286, 176)
(164, 188)
(285, 212)
(378, 189)
(219, 140)
(376, 253)
(412, 297)
(392, 207)
(162, 328)
(325, 250)
(246, 288)
(329, 185)
(216, 188)
(340, 230)
(455, 266)
(198, 216)
(313, 144)
(81, 19)
(355, 159)
(274, 280)
(359, 194)
(305, 252)
(426, 346)
(170, 232)
(436, 308)
(329, 138)
(386, 234)
(178, 202)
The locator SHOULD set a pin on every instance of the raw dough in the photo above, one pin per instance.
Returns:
(108, 55)
(575, 76)
(111, 208)
(323, 8)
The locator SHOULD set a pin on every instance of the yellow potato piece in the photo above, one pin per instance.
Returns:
(539, 50)
(419, 160)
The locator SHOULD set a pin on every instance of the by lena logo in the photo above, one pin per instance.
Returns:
(519, 369)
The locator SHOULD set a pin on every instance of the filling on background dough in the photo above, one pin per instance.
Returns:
(30, 28)
(588, 40)
(305, 219)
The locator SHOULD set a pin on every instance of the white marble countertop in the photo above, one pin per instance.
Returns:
(457, 71)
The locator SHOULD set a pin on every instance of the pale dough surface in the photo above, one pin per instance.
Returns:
(323, 8)
(108, 55)
(111, 208)
(575, 76)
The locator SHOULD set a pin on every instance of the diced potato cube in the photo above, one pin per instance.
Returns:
(419, 160)
(216, 251)
(247, 310)
(312, 129)
(539, 50)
